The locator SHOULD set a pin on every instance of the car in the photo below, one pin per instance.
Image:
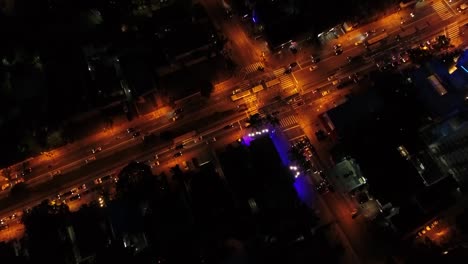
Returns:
(5, 186)
(96, 150)
(331, 77)
(88, 160)
(313, 67)
(228, 126)
(55, 173)
(236, 91)
(130, 130)
(180, 146)
(338, 52)
(177, 154)
(314, 59)
(337, 46)
(26, 171)
(324, 93)
(357, 43)
(335, 82)
(64, 195)
(288, 70)
(74, 198)
(178, 111)
(293, 64)
(462, 7)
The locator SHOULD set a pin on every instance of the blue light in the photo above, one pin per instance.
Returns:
(463, 67)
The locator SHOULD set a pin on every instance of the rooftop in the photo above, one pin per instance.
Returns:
(347, 175)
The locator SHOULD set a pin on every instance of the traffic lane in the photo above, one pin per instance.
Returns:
(123, 140)
(87, 172)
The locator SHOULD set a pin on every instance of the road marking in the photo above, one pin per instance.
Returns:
(278, 72)
(286, 81)
(442, 10)
(253, 67)
(452, 31)
(288, 121)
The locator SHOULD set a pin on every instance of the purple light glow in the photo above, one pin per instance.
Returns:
(305, 191)
(302, 185)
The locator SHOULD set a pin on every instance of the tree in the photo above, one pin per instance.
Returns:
(136, 183)
(256, 121)
(46, 234)
(272, 120)
(206, 88)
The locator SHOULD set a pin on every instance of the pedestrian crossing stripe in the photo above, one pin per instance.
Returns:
(244, 85)
(278, 72)
(254, 67)
(288, 121)
(453, 32)
(286, 81)
(442, 10)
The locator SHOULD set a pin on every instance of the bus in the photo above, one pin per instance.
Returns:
(257, 88)
(272, 83)
(434, 80)
(377, 38)
(240, 95)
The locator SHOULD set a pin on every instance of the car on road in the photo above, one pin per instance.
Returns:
(338, 52)
(131, 130)
(314, 59)
(462, 7)
(228, 126)
(293, 64)
(74, 198)
(337, 46)
(236, 91)
(96, 150)
(178, 111)
(55, 173)
(92, 158)
(180, 146)
(26, 171)
(136, 134)
(177, 154)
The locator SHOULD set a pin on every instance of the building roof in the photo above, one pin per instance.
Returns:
(347, 176)
(345, 116)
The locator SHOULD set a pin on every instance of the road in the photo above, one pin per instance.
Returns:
(316, 95)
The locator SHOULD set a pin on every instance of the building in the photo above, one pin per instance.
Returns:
(447, 144)
(346, 176)
(342, 119)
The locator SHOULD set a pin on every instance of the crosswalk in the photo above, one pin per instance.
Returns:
(278, 72)
(288, 121)
(286, 81)
(254, 67)
(442, 10)
(452, 32)
(242, 86)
